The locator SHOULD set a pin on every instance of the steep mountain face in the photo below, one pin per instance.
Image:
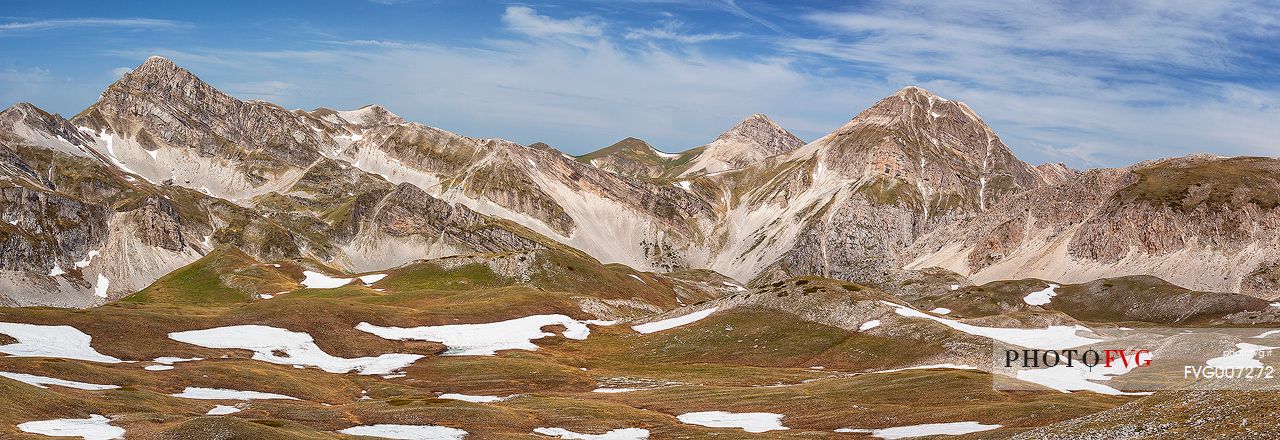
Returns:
(163, 123)
(78, 232)
(1201, 222)
(752, 140)
(851, 203)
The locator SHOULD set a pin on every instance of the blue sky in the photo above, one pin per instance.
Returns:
(1085, 83)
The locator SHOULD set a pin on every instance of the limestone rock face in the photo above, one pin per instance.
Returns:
(1201, 222)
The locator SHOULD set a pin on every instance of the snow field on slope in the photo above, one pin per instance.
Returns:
(407, 432)
(1052, 338)
(671, 323)
(284, 347)
(225, 394)
(43, 382)
(55, 341)
(750, 422)
(616, 434)
(900, 432)
(95, 427)
(485, 339)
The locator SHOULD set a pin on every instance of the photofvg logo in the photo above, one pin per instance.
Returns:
(1090, 358)
(1129, 361)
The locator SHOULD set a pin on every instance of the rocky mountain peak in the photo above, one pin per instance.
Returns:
(371, 115)
(160, 76)
(760, 131)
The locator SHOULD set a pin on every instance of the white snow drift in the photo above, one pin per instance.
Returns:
(317, 280)
(671, 323)
(750, 422)
(222, 410)
(42, 382)
(1078, 378)
(485, 339)
(1051, 338)
(225, 394)
(953, 428)
(616, 434)
(56, 341)
(1042, 297)
(95, 427)
(473, 399)
(407, 432)
(280, 346)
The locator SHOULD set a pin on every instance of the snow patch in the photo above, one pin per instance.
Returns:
(671, 323)
(664, 155)
(869, 325)
(100, 289)
(158, 367)
(407, 432)
(284, 347)
(485, 339)
(42, 382)
(1042, 297)
(87, 259)
(56, 270)
(95, 427)
(616, 434)
(224, 394)
(1053, 337)
(222, 410)
(750, 422)
(372, 278)
(614, 390)
(1245, 357)
(55, 341)
(473, 399)
(317, 280)
(941, 311)
(1078, 378)
(953, 428)
(931, 367)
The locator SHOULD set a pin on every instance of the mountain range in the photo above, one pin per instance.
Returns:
(176, 263)
(164, 168)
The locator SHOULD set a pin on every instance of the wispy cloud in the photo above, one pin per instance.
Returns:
(1107, 83)
(574, 84)
(526, 20)
(65, 23)
(732, 7)
(676, 30)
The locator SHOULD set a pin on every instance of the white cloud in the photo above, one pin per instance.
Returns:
(675, 30)
(575, 95)
(1113, 87)
(134, 23)
(1113, 83)
(526, 20)
(732, 7)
